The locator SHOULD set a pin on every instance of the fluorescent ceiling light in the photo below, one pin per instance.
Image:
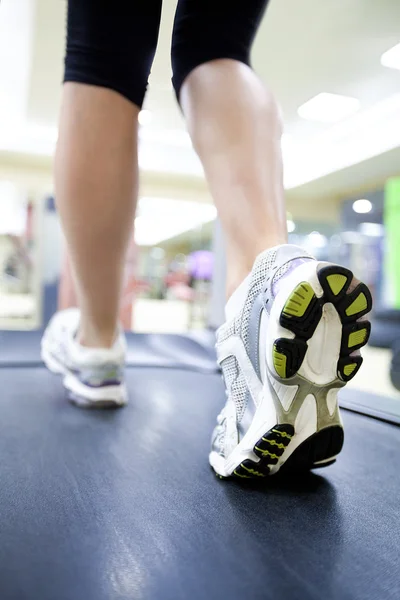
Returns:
(391, 58)
(145, 117)
(328, 108)
(362, 206)
(366, 134)
(161, 219)
(291, 226)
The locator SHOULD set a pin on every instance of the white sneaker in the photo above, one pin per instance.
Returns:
(94, 377)
(291, 341)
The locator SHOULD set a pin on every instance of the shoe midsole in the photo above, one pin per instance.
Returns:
(116, 393)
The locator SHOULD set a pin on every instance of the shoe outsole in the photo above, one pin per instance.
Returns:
(301, 315)
(82, 402)
(316, 452)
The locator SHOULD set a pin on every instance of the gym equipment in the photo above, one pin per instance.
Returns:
(122, 504)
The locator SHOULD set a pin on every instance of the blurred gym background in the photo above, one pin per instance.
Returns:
(337, 78)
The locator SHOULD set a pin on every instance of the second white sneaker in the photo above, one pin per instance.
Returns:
(93, 377)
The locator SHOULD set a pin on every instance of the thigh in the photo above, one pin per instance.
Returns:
(208, 29)
(112, 43)
(225, 18)
(108, 24)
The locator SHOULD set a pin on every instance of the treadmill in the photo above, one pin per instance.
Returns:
(122, 504)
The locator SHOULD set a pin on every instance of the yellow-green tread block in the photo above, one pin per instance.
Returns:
(358, 305)
(241, 475)
(299, 300)
(357, 337)
(267, 453)
(279, 362)
(349, 369)
(252, 471)
(336, 282)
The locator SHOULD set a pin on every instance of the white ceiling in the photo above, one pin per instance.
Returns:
(302, 48)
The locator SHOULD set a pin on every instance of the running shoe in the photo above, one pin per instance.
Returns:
(93, 377)
(291, 342)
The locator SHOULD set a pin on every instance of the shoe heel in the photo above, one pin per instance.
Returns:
(318, 451)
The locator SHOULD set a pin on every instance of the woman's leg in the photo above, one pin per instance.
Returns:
(234, 122)
(96, 186)
(110, 49)
(238, 142)
(281, 349)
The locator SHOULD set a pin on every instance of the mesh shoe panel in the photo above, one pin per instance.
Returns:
(235, 384)
(261, 268)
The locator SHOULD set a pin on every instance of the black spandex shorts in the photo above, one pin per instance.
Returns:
(111, 43)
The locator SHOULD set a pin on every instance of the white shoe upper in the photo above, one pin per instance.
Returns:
(291, 342)
(242, 347)
(92, 375)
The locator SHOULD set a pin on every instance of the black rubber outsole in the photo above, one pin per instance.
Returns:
(322, 447)
(289, 353)
(317, 451)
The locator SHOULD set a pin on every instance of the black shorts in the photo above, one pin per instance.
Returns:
(112, 44)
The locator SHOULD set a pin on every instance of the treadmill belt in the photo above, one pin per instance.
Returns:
(116, 505)
(194, 351)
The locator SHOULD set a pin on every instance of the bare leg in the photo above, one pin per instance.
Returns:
(236, 130)
(96, 188)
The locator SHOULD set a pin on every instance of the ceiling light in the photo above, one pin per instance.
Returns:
(291, 226)
(145, 117)
(391, 58)
(345, 143)
(362, 206)
(328, 108)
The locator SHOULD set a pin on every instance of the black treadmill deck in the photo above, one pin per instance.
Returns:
(104, 505)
